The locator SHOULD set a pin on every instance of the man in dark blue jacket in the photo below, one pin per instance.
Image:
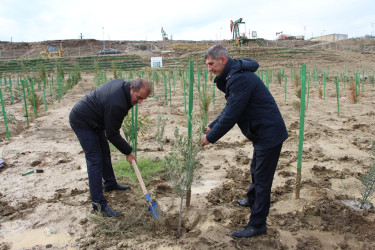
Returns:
(97, 119)
(251, 106)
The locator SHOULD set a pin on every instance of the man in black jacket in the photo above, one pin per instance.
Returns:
(251, 106)
(97, 119)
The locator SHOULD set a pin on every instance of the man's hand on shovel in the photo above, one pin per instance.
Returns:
(130, 157)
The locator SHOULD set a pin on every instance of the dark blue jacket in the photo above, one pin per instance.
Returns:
(104, 108)
(249, 104)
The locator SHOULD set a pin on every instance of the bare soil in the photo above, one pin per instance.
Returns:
(53, 208)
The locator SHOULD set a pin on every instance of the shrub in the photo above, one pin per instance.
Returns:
(368, 185)
(280, 77)
(114, 68)
(74, 77)
(297, 80)
(353, 96)
(296, 105)
(10, 117)
(142, 126)
(60, 70)
(204, 105)
(320, 92)
(181, 164)
(42, 72)
(38, 100)
(159, 135)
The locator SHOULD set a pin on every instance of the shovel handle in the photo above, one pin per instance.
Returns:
(134, 164)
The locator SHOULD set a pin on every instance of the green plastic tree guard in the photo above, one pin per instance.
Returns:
(24, 100)
(191, 95)
(301, 130)
(4, 115)
(285, 87)
(337, 94)
(44, 97)
(34, 102)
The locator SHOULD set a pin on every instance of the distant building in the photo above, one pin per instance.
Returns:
(330, 38)
(289, 37)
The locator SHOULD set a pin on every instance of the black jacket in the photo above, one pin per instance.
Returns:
(249, 104)
(104, 108)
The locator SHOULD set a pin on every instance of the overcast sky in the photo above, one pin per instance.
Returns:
(39, 20)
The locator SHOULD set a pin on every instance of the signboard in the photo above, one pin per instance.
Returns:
(156, 62)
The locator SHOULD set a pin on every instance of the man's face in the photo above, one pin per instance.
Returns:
(216, 66)
(138, 96)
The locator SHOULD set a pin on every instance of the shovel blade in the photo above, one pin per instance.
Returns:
(154, 209)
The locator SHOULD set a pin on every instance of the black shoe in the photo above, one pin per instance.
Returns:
(245, 203)
(250, 231)
(110, 212)
(117, 187)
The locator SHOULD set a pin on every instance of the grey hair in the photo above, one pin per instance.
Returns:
(139, 83)
(216, 51)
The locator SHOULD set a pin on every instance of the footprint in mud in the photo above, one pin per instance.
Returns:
(361, 126)
(242, 158)
(6, 210)
(312, 135)
(286, 174)
(165, 190)
(12, 213)
(322, 171)
(309, 242)
(277, 193)
(294, 125)
(69, 198)
(288, 156)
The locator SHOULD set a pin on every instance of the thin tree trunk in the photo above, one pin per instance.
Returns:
(188, 197)
(180, 215)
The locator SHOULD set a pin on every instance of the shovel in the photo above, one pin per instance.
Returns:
(153, 208)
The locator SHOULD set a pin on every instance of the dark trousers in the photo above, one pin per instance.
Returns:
(98, 159)
(263, 166)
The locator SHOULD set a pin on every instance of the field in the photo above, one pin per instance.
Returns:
(54, 207)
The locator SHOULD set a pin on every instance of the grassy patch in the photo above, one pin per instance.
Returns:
(148, 168)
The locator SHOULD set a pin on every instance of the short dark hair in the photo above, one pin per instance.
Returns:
(216, 51)
(139, 83)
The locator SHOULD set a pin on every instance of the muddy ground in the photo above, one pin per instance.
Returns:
(53, 208)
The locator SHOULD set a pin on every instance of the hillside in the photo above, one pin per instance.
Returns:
(338, 56)
(90, 47)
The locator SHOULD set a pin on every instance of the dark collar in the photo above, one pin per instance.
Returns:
(127, 93)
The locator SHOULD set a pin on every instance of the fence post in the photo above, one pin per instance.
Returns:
(301, 130)
(4, 115)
